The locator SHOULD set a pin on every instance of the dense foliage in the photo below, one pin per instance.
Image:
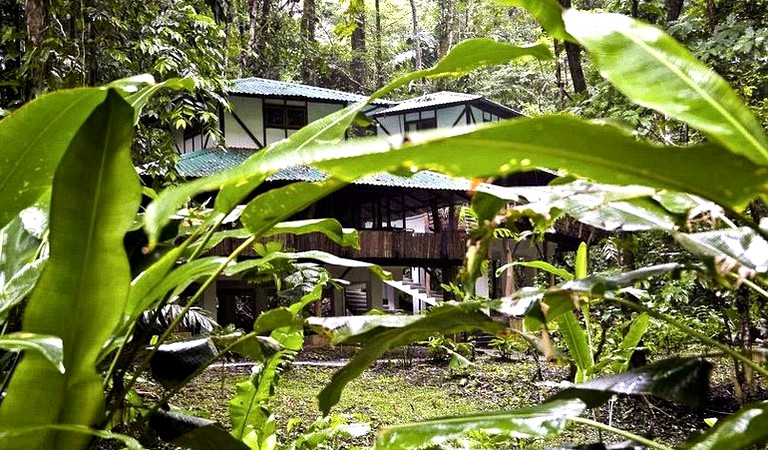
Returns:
(83, 294)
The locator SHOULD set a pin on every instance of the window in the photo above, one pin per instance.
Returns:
(422, 124)
(284, 116)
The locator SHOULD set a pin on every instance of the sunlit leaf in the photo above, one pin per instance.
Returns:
(49, 346)
(746, 428)
(666, 77)
(547, 12)
(592, 150)
(82, 293)
(682, 380)
(193, 432)
(729, 247)
(447, 318)
(540, 421)
(541, 265)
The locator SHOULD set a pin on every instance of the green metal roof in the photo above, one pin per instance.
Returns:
(274, 88)
(442, 98)
(206, 162)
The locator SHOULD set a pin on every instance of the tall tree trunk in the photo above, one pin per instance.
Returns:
(573, 53)
(36, 12)
(673, 9)
(444, 31)
(308, 21)
(358, 47)
(417, 64)
(253, 26)
(379, 57)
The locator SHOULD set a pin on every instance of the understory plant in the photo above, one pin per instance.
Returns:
(83, 291)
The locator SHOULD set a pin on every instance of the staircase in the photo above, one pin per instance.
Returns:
(356, 300)
(357, 303)
(417, 292)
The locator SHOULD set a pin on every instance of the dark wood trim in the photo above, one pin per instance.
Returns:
(245, 128)
(384, 128)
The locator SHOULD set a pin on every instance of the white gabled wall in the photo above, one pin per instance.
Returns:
(249, 110)
(317, 111)
(446, 117)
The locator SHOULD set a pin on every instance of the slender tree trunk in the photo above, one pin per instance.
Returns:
(308, 21)
(253, 25)
(379, 57)
(417, 64)
(36, 12)
(358, 47)
(444, 30)
(573, 54)
(673, 9)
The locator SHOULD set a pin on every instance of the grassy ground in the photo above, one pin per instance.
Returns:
(390, 394)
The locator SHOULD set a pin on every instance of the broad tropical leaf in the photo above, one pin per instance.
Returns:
(541, 265)
(549, 13)
(578, 344)
(447, 318)
(467, 56)
(44, 128)
(49, 346)
(540, 421)
(682, 380)
(745, 428)
(276, 205)
(193, 432)
(730, 248)
(630, 342)
(593, 150)
(666, 77)
(323, 257)
(82, 293)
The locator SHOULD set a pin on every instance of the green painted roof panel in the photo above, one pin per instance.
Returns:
(206, 162)
(274, 88)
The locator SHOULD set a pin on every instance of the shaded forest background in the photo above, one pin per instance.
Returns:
(352, 45)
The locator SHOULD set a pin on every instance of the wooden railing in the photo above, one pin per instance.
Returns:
(394, 245)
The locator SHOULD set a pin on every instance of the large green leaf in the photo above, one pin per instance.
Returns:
(193, 432)
(630, 342)
(358, 329)
(49, 346)
(331, 228)
(276, 205)
(627, 208)
(540, 421)
(83, 290)
(665, 76)
(549, 13)
(316, 255)
(447, 318)
(173, 364)
(593, 150)
(14, 433)
(730, 248)
(20, 285)
(541, 265)
(682, 380)
(44, 128)
(746, 428)
(467, 56)
(578, 345)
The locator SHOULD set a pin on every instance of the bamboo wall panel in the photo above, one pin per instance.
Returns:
(374, 244)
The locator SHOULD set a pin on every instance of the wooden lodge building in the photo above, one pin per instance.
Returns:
(409, 226)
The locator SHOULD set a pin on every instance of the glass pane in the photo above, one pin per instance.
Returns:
(273, 117)
(297, 117)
